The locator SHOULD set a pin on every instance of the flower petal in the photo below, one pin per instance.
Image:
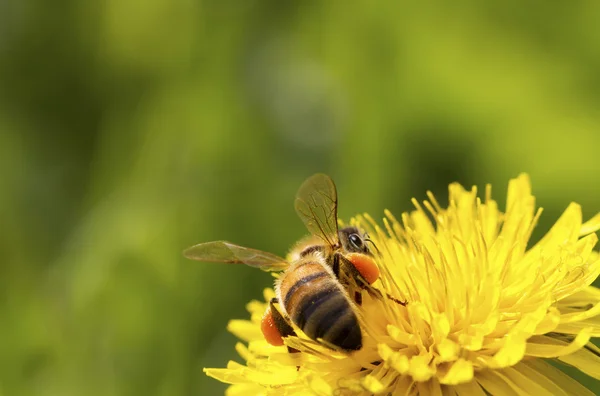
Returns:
(420, 368)
(579, 316)
(592, 225)
(244, 330)
(566, 229)
(586, 359)
(373, 385)
(235, 373)
(519, 383)
(493, 384)
(510, 353)
(583, 269)
(319, 386)
(460, 372)
(549, 323)
(245, 389)
(430, 388)
(549, 347)
(581, 298)
(549, 387)
(562, 380)
(574, 328)
(447, 351)
(469, 389)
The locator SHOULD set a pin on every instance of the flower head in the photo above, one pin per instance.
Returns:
(484, 312)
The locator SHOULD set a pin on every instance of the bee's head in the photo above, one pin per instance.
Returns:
(353, 241)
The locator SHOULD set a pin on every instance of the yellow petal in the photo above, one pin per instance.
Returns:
(592, 225)
(519, 190)
(263, 348)
(235, 373)
(460, 372)
(493, 384)
(548, 347)
(319, 385)
(349, 384)
(549, 387)
(579, 275)
(574, 328)
(244, 330)
(511, 353)
(522, 389)
(585, 360)
(404, 385)
(256, 307)
(471, 342)
(440, 327)
(565, 229)
(585, 296)
(225, 375)
(268, 295)
(549, 323)
(401, 336)
(562, 380)
(469, 389)
(524, 384)
(397, 361)
(420, 369)
(579, 316)
(245, 389)
(430, 388)
(243, 351)
(447, 351)
(373, 385)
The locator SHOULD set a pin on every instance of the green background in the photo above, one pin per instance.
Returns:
(130, 130)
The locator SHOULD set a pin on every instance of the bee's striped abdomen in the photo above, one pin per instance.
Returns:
(327, 314)
(319, 307)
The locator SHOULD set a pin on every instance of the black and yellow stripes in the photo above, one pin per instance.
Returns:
(316, 304)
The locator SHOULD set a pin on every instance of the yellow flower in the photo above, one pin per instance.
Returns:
(484, 312)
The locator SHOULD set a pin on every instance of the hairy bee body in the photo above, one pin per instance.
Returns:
(313, 299)
(321, 279)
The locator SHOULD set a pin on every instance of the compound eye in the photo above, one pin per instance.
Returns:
(356, 242)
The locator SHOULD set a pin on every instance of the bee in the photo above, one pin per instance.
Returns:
(320, 284)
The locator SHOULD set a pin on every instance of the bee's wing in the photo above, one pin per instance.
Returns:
(227, 252)
(316, 204)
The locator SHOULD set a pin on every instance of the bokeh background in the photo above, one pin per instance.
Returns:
(130, 130)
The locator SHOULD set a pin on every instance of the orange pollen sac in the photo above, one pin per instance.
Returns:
(365, 265)
(270, 330)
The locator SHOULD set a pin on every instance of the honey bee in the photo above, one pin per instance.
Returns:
(319, 286)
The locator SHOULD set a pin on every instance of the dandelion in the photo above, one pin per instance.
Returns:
(485, 314)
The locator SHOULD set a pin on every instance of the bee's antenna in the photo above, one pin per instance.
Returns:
(389, 296)
(374, 245)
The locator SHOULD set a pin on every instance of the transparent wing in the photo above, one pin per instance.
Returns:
(316, 204)
(227, 252)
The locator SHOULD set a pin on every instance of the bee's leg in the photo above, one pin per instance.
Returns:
(281, 323)
(348, 275)
(394, 299)
(358, 298)
(346, 271)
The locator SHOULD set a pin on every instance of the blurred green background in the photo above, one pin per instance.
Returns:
(130, 130)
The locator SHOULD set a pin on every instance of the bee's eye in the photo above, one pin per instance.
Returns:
(356, 242)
